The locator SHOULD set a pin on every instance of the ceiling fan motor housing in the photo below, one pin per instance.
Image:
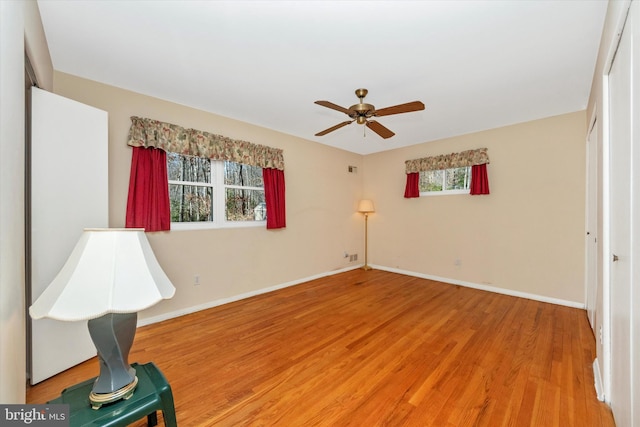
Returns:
(361, 112)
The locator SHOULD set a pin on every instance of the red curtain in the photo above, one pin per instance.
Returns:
(274, 197)
(412, 189)
(148, 200)
(479, 180)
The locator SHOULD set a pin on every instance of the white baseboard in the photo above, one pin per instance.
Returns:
(494, 289)
(215, 303)
(597, 377)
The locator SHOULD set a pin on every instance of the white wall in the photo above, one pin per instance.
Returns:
(12, 321)
(20, 31)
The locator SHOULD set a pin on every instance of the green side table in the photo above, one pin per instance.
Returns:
(153, 393)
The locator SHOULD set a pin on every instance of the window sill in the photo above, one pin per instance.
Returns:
(187, 226)
(444, 193)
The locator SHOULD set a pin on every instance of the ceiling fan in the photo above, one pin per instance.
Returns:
(362, 113)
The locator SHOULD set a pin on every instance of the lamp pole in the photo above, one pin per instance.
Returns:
(366, 207)
(366, 245)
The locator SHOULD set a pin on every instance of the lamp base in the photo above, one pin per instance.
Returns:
(113, 334)
(99, 399)
(366, 267)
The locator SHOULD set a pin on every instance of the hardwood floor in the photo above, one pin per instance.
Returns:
(372, 348)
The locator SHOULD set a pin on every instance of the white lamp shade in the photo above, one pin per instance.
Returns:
(109, 271)
(366, 206)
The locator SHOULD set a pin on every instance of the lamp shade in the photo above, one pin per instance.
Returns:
(366, 206)
(109, 271)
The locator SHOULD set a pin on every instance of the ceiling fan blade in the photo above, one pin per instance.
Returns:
(331, 129)
(402, 108)
(333, 106)
(379, 129)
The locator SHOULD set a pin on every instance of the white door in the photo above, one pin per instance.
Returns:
(620, 81)
(69, 192)
(635, 219)
(592, 225)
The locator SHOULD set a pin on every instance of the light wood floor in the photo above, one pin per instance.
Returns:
(372, 349)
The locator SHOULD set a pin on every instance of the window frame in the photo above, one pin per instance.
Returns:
(219, 191)
(444, 192)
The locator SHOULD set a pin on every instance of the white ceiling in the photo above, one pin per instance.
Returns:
(475, 64)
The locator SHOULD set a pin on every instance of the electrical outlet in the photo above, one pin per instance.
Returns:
(353, 257)
(196, 280)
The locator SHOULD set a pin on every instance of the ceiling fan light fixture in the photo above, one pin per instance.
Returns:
(361, 120)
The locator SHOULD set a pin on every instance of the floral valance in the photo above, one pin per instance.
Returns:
(448, 161)
(176, 139)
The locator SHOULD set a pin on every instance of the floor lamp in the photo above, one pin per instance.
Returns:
(366, 207)
(110, 276)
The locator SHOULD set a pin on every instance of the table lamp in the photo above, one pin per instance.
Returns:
(366, 207)
(111, 274)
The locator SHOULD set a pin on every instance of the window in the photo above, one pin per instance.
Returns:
(445, 181)
(214, 193)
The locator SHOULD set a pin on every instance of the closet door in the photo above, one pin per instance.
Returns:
(68, 192)
(624, 99)
(591, 243)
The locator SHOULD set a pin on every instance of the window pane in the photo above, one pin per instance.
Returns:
(190, 203)
(243, 175)
(188, 168)
(245, 205)
(457, 179)
(431, 180)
